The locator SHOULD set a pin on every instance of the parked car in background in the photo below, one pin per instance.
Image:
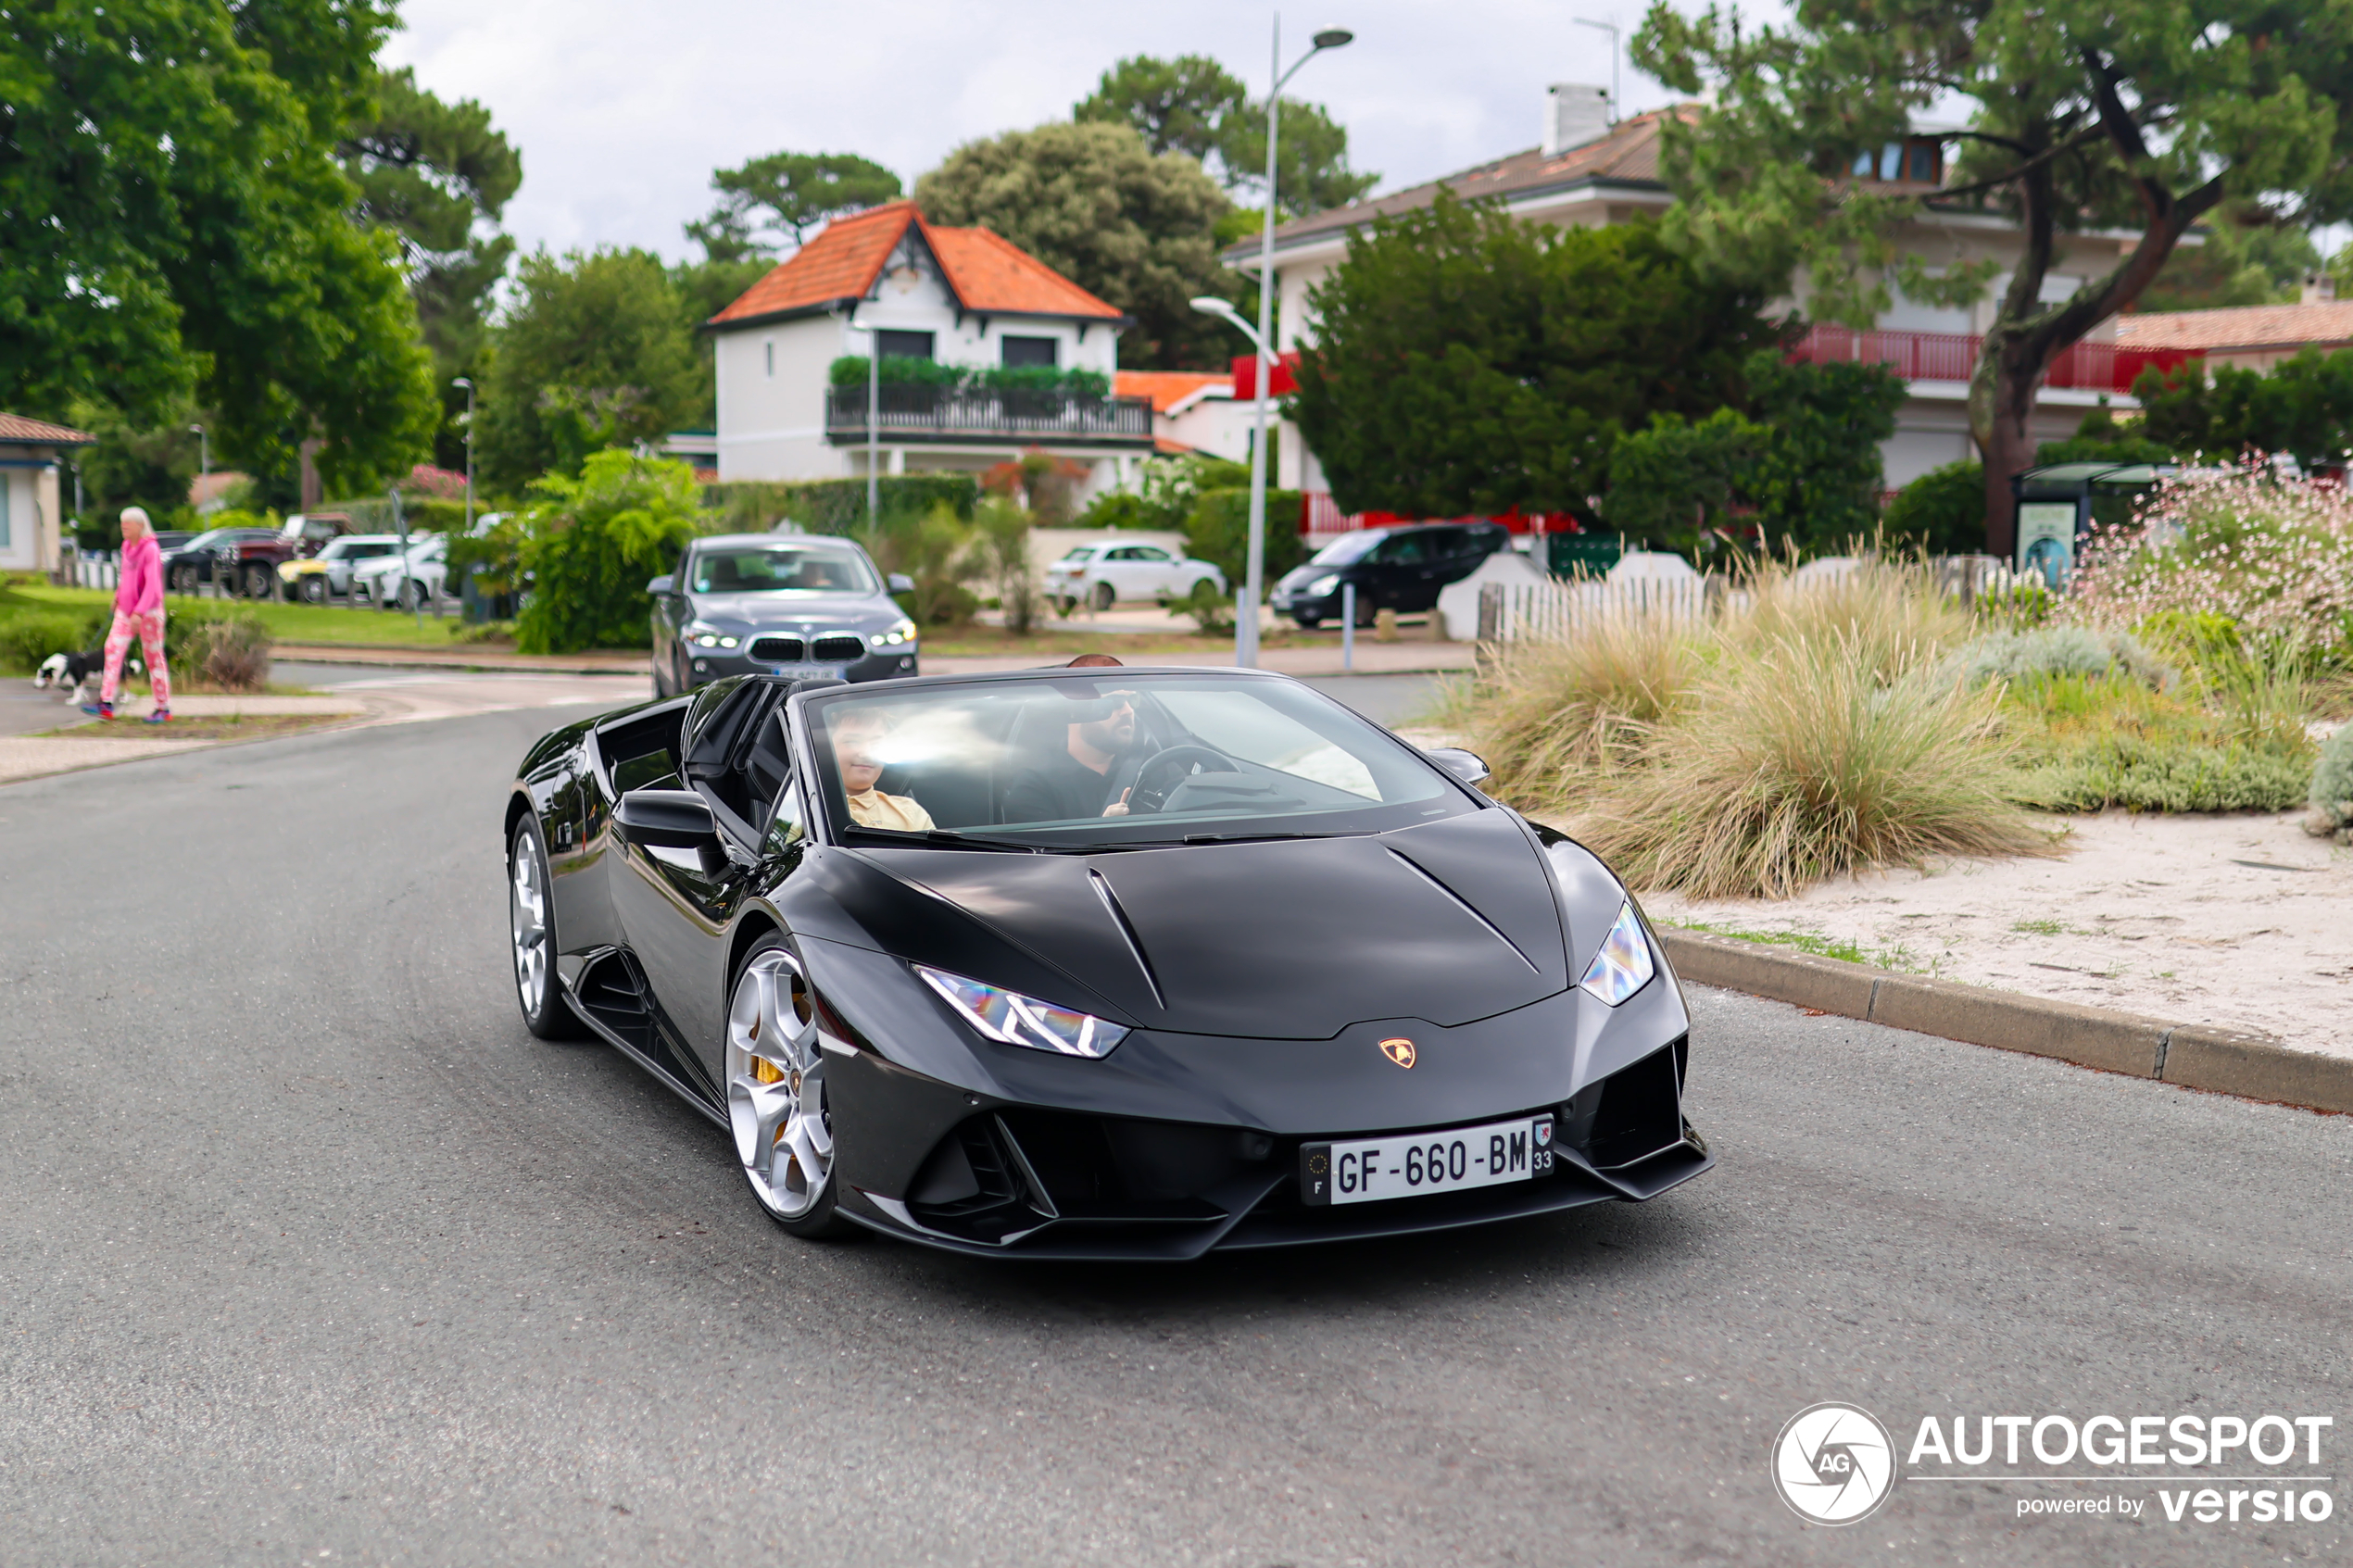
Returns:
(170, 539)
(1399, 568)
(1103, 574)
(208, 558)
(410, 581)
(755, 604)
(327, 575)
(251, 569)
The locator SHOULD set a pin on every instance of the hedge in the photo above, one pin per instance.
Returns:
(834, 506)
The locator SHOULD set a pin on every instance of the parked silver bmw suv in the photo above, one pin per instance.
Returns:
(744, 604)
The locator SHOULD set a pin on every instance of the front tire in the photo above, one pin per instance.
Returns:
(1104, 597)
(777, 1102)
(314, 590)
(261, 583)
(531, 913)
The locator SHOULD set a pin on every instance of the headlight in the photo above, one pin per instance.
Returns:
(703, 636)
(1623, 966)
(1321, 586)
(1012, 1019)
(901, 631)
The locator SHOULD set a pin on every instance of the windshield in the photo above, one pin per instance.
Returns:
(1348, 548)
(1116, 761)
(781, 569)
(209, 538)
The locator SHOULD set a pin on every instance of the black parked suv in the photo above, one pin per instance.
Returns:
(1399, 569)
(210, 557)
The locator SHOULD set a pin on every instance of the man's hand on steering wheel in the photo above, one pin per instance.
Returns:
(1182, 759)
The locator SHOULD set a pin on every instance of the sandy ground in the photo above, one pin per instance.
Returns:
(2242, 921)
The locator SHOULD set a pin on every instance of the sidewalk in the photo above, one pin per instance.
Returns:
(475, 657)
(1372, 658)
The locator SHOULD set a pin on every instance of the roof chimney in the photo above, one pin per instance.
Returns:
(1574, 115)
(2320, 288)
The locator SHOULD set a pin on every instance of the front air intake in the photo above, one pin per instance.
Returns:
(777, 650)
(842, 647)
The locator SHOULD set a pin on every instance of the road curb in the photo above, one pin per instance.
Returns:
(2193, 1056)
(421, 658)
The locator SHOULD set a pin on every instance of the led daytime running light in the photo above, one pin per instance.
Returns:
(1012, 1019)
(1623, 965)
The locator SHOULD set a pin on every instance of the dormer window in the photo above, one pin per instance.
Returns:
(1917, 160)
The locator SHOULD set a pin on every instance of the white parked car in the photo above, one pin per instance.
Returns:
(327, 575)
(1103, 575)
(410, 581)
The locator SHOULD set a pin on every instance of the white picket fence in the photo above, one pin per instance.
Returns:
(95, 568)
(1550, 611)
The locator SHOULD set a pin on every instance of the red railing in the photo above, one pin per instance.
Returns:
(1952, 357)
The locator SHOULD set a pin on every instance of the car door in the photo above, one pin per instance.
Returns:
(1156, 572)
(1395, 570)
(674, 906)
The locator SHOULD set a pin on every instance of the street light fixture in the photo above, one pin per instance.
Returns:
(204, 450)
(1246, 620)
(468, 385)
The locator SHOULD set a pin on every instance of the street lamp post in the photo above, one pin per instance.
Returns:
(468, 385)
(204, 450)
(1246, 618)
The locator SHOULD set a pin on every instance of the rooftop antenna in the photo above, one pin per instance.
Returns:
(1610, 28)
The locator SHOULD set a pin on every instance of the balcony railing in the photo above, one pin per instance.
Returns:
(982, 415)
(1952, 357)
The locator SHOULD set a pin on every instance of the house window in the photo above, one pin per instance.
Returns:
(1020, 353)
(905, 345)
(1919, 160)
(770, 346)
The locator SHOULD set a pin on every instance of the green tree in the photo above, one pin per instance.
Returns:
(1675, 480)
(2304, 407)
(179, 231)
(1092, 202)
(1192, 105)
(2151, 113)
(1941, 513)
(130, 467)
(2255, 262)
(771, 203)
(595, 353)
(1469, 362)
(590, 546)
(436, 177)
(1817, 481)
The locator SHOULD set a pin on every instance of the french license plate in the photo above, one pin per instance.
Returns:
(1413, 1164)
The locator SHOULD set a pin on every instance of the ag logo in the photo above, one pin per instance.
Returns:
(1399, 1050)
(1833, 1464)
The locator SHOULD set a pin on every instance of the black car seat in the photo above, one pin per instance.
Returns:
(1040, 729)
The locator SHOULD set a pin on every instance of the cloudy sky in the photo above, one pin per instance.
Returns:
(622, 110)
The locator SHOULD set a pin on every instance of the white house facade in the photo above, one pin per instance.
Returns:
(31, 516)
(1588, 171)
(963, 297)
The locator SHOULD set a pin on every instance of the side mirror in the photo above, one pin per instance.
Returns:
(660, 585)
(901, 583)
(1467, 766)
(668, 819)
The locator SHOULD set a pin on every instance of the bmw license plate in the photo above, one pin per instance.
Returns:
(1415, 1163)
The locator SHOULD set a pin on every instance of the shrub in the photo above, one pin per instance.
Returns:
(1797, 762)
(2331, 795)
(228, 651)
(1210, 610)
(28, 639)
(1544, 714)
(1943, 512)
(1001, 555)
(592, 544)
(1889, 609)
(2091, 742)
(926, 546)
(834, 505)
(2140, 775)
(2055, 650)
(2275, 557)
(1218, 532)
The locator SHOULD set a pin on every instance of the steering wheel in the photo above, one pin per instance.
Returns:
(1142, 797)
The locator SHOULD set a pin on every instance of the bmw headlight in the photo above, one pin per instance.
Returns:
(1623, 966)
(707, 636)
(901, 631)
(1012, 1019)
(1321, 586)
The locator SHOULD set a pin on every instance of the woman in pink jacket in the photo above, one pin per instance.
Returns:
(138, 607)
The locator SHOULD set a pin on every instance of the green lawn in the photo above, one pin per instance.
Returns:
(294, 623)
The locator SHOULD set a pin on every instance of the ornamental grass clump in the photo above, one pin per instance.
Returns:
(1798, 761)
(1547, 714)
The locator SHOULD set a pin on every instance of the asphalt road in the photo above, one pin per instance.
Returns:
(311, 1254)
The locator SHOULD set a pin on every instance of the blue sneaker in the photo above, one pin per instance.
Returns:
(160, 716)
(98, 710)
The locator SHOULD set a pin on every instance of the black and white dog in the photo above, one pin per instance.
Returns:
(69, 672)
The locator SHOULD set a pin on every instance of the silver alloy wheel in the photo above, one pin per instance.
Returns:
(527, 906)
(776, 1087)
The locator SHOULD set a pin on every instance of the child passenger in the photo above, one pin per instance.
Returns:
(857, 734)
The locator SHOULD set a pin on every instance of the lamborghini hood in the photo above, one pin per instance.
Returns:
(1289, 939)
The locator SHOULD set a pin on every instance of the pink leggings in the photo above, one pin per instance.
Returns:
(149, 628)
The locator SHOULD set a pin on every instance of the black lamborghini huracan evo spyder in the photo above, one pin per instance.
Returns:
(1096, 963)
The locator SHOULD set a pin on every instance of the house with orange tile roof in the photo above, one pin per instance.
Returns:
(887, 278)
(2253, 337)
(31, 518)
(1589, 170)
(1193, 411)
